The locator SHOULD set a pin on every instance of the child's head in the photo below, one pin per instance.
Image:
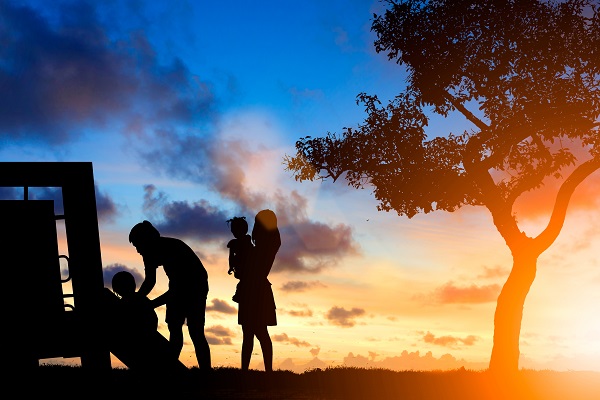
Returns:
(123, 283)
(239, 226)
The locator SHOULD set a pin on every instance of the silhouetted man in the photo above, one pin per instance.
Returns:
(188, 286)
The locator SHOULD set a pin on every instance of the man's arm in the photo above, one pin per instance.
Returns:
(160, 300)
(149, 281)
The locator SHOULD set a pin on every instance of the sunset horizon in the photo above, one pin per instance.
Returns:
(188, 113)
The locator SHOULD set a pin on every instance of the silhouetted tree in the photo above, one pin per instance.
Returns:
(526, 75)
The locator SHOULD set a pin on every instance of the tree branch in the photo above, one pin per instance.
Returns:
(557, 219)
(468, 114)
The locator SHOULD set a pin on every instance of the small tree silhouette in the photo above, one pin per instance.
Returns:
(531, 69)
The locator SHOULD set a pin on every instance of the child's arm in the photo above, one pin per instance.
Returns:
(232, 261)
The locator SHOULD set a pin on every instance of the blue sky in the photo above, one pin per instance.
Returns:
(186, 110)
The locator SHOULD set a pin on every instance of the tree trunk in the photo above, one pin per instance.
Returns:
(509, 313)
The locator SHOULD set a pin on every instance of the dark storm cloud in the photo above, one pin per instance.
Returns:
(110, 270)
(197, 220)
(65, 71)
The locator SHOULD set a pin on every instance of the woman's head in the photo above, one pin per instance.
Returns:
(265, 226)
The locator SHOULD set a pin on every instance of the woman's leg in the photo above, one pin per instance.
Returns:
(247, 346)
(262, 334)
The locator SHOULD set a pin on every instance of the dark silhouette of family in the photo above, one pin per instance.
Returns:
(138, 343)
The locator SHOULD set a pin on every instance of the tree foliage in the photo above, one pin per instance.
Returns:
(525, 74)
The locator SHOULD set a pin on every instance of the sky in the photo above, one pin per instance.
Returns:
(187, 109)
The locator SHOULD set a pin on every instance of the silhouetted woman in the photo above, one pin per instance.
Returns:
(257, 307)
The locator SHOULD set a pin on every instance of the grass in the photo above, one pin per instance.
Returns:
(50, 381)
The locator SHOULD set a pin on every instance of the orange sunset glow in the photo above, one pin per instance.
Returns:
(432, 168)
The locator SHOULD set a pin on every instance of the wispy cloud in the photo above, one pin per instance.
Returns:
(306, 312)
(449, 293)
(291, 340)
(301, 286)
(315, 352)
(494, 272)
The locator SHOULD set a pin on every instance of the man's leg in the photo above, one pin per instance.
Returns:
(196, 330)
(176, 338)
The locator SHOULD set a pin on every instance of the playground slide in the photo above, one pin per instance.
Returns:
(139, 349)
(149, 352)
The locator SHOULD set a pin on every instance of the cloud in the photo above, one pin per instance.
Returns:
(11, 193)
(291, 340)
(300, 313)
(221, 306)
(106, 209)
(110, 270)
(315, 352)
(198, 220)
(69, 72)
(537, 204)
(218, 335)
(449, 341)
(412, 361)
(494, 272)
(345, 318)
(310, 246)
(449, 293)
(289, 365)
(105, 206)
(301, 286)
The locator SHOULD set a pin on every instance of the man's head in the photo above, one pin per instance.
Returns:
(123, 283)
(143, 235)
